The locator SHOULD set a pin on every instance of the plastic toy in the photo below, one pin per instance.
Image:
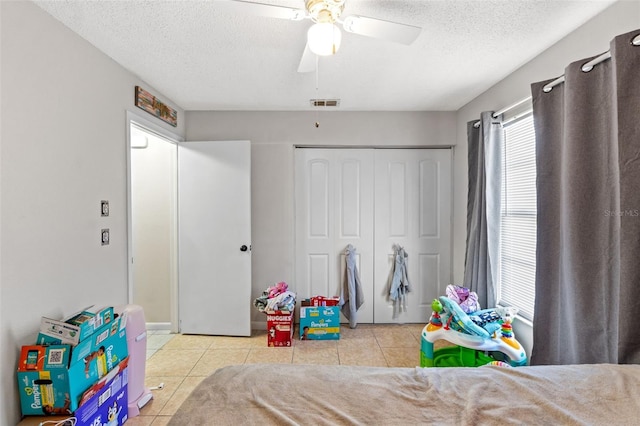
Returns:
(481, 337)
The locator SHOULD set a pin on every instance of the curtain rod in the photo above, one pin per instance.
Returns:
(586, 67)
(505, 109)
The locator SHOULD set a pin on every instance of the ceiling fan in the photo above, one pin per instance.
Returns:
(324, 36)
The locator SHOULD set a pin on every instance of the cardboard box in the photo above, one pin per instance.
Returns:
(76, 327)
(107, 348)
(51, 373)
(43, 380)
(91, 345)
(106, 402)
(280, 328)
(319, 323)
(320, 301)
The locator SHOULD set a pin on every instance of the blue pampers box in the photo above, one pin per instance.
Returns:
(76, 328)
(108, 346)
(43, 382)
(319, 323)
(52, 372)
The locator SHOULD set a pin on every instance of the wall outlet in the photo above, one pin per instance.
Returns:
(104, 235)
(104, 208)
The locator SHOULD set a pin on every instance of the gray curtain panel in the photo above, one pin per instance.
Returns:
(482, 258)
(588, 237)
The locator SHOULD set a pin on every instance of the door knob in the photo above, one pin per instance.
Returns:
(244, 248)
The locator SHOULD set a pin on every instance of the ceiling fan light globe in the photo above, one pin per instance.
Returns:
(324, 39)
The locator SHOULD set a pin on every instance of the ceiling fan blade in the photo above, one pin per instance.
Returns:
(268, 10)
(308, 60)
(378, 28)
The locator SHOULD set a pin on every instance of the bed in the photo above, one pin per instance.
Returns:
(289, 394)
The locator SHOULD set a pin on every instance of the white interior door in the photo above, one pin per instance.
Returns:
(334, 208)
(413, 210)
(214, 224)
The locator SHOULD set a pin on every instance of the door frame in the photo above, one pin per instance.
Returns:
(140, 121)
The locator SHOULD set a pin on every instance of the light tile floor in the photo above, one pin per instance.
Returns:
(181, 362)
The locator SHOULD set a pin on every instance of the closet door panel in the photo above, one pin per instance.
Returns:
(429, 203)
(334, 208)
(318, 276)
(318, 199)
(396, 190)
(349, 195)
(428, 278)
(412, 209)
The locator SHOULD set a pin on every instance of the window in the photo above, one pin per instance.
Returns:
(518, 218)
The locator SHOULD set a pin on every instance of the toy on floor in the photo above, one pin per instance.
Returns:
(482, 337)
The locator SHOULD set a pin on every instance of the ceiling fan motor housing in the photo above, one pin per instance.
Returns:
(325, 11)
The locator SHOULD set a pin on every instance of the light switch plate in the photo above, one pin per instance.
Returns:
(104, 208)
(104, 235)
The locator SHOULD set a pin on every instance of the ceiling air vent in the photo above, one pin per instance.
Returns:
(325, 102)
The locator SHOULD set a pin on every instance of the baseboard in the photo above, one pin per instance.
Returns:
(259, 325)
(158, 326)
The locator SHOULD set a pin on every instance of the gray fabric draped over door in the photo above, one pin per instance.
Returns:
(588, 237)
(483, 208)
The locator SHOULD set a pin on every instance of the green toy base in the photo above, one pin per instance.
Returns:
(455, 356)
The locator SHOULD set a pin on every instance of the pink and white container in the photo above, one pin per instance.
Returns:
(136, 330)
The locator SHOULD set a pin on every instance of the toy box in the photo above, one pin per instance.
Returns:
(61, 371)
(106, 402)
(280, 328)
(319, 323)
(75, 328)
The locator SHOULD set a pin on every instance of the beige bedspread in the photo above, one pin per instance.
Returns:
(328, 395)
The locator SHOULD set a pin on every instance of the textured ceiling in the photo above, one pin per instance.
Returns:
(213, 55)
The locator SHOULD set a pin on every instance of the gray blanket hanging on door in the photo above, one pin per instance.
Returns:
(351, 296)
(399, 283)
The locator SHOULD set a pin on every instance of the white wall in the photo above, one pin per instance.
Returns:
(273, 136)
(589, 40)
(63, 150)
(153, 172)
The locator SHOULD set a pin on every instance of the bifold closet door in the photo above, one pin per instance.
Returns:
(412, 209)
(334, 208)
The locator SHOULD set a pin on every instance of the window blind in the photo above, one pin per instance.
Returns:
(518, 218)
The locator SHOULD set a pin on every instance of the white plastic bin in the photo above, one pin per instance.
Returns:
(136, 329)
